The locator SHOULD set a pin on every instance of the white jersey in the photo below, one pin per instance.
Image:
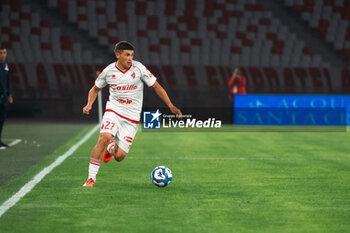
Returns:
(125, 88)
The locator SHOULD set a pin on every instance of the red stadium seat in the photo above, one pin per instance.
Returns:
(45, 46)
(140, 8)
(62, 6)
(196, 41)
(170, 7)
(154, 48)
(66, 43)
(169, 75)
(165, 41)
(190, 76)
(265, 21)
(152, 22)
(120, 10)
(211, 76)
(156, 72)
(346, 52)
(142, 33)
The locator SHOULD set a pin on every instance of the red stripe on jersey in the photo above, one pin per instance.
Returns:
(121, 70)
(126, 118)
(128, 139)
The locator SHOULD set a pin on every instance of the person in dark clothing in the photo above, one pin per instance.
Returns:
(5, 94)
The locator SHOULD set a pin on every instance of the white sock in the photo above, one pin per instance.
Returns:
(110, 147)
(93, 168)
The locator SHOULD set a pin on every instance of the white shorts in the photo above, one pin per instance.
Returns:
(123, 130)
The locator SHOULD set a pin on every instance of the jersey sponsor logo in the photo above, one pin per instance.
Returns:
(128, 139)
(115, 87)
(127, 101)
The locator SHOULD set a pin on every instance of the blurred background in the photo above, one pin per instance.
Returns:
(55, 48)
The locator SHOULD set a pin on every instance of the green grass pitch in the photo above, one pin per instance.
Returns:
(222, 182)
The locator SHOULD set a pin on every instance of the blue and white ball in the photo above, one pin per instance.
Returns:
(161, 176)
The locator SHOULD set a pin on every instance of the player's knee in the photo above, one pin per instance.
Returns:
(120, 155)
(104, 139)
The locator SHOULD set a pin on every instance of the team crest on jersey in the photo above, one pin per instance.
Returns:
(113, 76)
(133, 75)
(7, 67)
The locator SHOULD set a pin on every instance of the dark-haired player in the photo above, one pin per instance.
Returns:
(125, 78)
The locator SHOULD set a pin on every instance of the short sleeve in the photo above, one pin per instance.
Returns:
(101, 81)
(146, 76)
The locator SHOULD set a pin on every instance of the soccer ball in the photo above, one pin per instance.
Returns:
(161, 176)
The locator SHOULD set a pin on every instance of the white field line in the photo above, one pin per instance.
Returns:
(14, 142)
(32, 183)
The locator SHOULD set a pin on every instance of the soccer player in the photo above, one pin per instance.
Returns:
(126, 78)
(5, 95)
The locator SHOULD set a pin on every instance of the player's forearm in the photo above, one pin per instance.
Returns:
(163, 95)
(92, 96)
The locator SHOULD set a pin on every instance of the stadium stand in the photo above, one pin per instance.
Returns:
(188, 44)
(328, 18)
(190, 32)
(32, 38)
